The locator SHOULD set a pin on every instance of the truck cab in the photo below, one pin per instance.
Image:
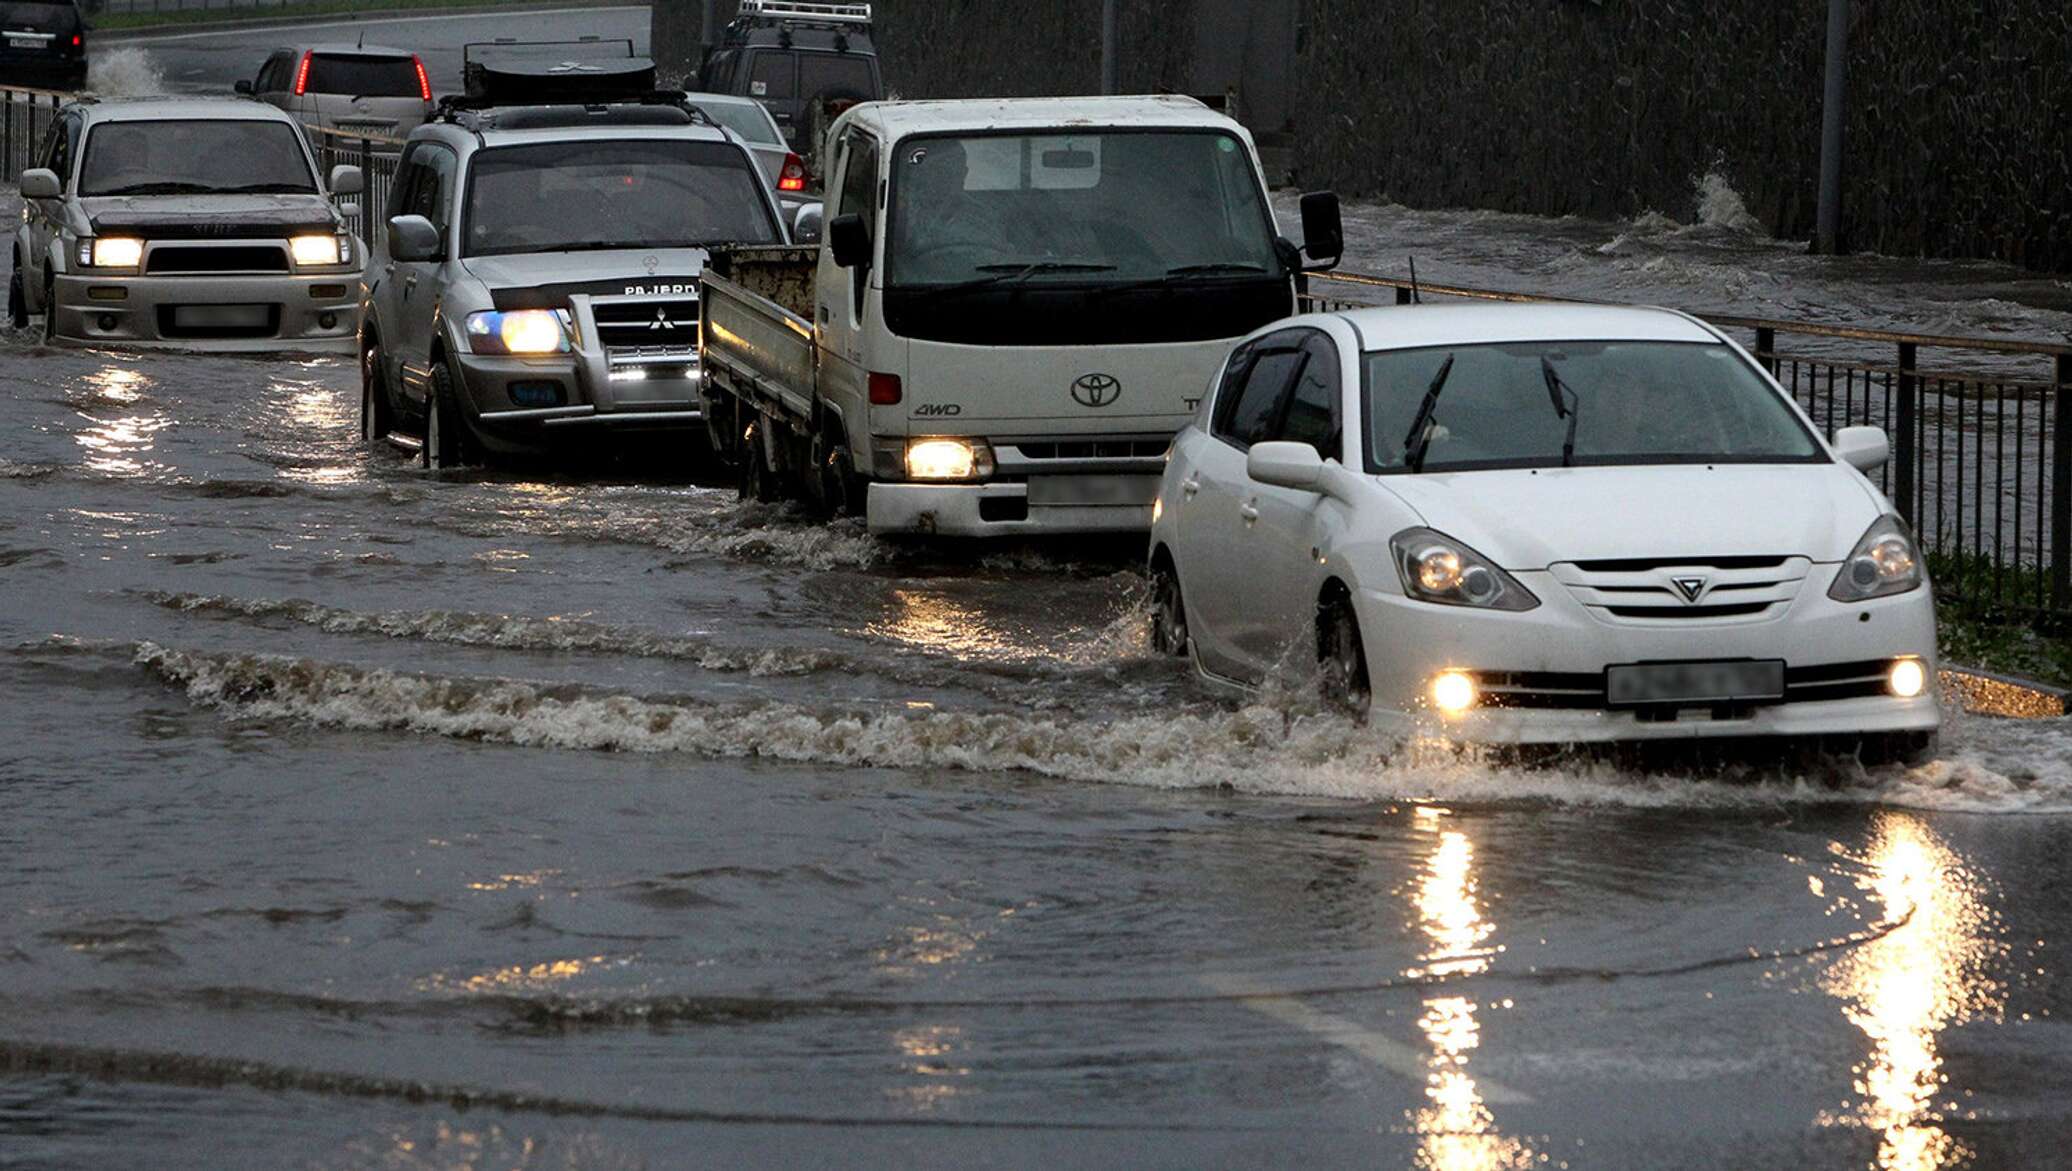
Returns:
(1016, 305)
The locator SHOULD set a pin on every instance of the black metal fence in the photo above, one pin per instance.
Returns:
(25, 115)
(1981, 432)
(375, 156)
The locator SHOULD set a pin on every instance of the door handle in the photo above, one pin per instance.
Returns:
(1190, 487)
(1248, 510)
(409, 283)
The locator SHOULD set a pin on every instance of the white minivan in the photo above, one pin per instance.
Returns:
(1542, 524)
(351, 89)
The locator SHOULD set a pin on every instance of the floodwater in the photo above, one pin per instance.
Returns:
(354, 816)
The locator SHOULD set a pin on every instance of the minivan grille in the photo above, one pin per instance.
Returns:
(1656, 591)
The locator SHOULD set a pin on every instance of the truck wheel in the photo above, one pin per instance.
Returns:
(1168, 611)
(445, 436)
(1343, 658)
(759, 480)
(377, 415)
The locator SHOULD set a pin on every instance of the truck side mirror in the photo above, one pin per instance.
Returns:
(849, 240)
(41, 183)
(1323, 230)
(347, 180)
(242, 88)
(412, 238)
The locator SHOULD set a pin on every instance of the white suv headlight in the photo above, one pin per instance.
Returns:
(320, 250)
(1437, 568)
(111, 252)
(1884, 562)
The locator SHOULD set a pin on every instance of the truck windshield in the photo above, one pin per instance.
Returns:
(1141, 205)
(614, 193)
(1627, 402)
(199, 157)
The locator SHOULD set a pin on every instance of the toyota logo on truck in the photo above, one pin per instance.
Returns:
(1095, 390)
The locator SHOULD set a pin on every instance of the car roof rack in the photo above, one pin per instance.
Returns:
(655, 107)
(803, 14)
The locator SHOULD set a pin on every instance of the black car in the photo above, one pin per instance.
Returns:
(42, 44)
(807, 62)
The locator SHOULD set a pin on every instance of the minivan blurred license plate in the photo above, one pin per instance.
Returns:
(1737, 681)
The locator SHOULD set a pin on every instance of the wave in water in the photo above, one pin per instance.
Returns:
(1255, 749)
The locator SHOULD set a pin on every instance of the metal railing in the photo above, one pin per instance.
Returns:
(1981, 436)
(25, 116)
(375, 156)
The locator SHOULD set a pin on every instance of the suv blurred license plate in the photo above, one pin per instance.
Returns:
(220, 316)
(1738, 681)
(25, 42)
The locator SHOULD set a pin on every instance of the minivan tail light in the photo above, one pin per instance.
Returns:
(302, 76)
(793, 177)
(885, 390)
(424, 82)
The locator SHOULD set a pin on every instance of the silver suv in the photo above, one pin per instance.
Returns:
(194, 223)
(538, 279)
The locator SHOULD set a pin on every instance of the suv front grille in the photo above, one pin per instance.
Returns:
(646, 322)
(217, 258)
(1657, 591)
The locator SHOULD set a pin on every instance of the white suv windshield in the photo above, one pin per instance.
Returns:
(1631, 402)
(1099, 207)
(603, 193)
(200, 157)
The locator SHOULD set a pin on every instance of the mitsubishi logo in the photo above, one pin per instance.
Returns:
(1095, 390)
(661, 321)
(1689, 587)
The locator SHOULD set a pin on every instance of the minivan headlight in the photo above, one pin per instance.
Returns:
(520, 331)
(1437, 568)
(1885, 562)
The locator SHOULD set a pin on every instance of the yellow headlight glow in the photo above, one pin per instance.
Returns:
(941, 459)
(1454, 692)
(118, 252)
(1438, 570)
(1907, 679)
(314, 249)
(531, 331)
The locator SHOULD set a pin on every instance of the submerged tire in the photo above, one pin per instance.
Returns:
(445, 434)
(759, 481)
(50, 310)
(17, 297)
(1342, 658)
(377, 415)
(1168, 611)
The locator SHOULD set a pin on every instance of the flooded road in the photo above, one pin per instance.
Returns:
(360, 817)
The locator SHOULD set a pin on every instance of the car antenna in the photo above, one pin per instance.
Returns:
(1416, 298)
(362, 41)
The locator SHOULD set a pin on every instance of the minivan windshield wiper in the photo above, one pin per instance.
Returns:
(1419, 440)
(1565, 400)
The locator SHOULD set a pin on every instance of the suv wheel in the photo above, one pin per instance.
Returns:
(445, 434)
(377, 415)
(17, 296)
(1343, 658)
(50, 309)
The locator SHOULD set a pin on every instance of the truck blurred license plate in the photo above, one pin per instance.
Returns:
(1138, 490)
(1742, 681)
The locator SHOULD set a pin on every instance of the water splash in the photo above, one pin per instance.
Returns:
(125, 73)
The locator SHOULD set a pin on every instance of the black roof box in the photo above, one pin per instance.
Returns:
(536, 72)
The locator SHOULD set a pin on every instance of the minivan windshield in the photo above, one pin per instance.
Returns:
(197, 157)
(1101, 207)
(1631, 402)
(614, 193)
(364, 76)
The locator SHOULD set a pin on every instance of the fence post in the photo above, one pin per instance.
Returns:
(1402, 296)
(2061, 490)
(1766, 348)
(1905, 459)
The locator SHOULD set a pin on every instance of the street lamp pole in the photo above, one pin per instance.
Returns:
(1827, 236)
(1111, 71)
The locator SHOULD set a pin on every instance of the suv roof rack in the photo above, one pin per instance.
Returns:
(803, 13)
(654, 107)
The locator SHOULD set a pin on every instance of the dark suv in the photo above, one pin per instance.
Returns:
(42, 43)
(807, 62)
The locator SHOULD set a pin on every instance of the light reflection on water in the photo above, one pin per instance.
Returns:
(1456, 1129)
(931, 621)
(1931, 971)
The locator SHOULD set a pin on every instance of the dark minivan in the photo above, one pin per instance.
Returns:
(42, 43)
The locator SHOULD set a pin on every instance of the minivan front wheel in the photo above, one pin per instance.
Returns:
(1168, 611)
(1342, 658)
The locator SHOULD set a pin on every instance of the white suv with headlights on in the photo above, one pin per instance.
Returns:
(1542, 524)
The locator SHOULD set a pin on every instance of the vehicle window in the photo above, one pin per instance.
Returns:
(431, 193)
(364, 76)
(1117, 206)
(746, 119)
(1251, 414)
(627, 193)
(1635, 403)
(57, 149)
(859, 178)
(719, 74)
(264, 81)
(403, 183)
(770, 74)
(835, 74)
(41, 17)
(173, 157)
(1312, 413)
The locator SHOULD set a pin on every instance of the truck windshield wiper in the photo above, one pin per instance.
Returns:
(1565, 401)
(1007, 274)
(1419, 440)
(1186, 272)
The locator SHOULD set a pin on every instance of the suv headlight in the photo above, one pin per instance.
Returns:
(111, 252)
(320, 250)
(520, 331)
(1437, 568)
(1885, 562)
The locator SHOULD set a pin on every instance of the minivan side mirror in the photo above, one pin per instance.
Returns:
(242, 88)
(412, 238)
(41, 183)
(849, 240)
(1864, 448)
(1285, 464)
(347, 180)
(1323, 229)
(806, 223)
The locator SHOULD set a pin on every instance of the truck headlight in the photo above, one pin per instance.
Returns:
(319, 250)
(1885, 562)
(948, 459)
(1437, 568)
(520, 331)
(112, 252)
